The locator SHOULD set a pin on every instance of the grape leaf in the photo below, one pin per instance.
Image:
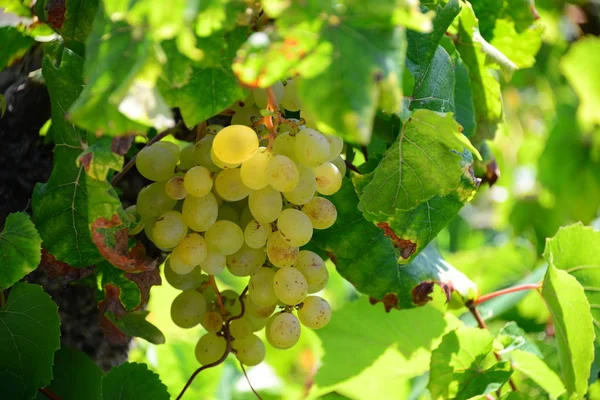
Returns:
(13, 44)
(574, 328)
(132, 381)
(489, 12)
(65, 206)
(20, 249)
(29, 336)
(514, 338)
(520, 48)
(71, 18)
(459, 369)
(135, 324)
(75, 366)
(104, 155)
(537, 370)
(129, 294)
(368, 259)
(422, 182)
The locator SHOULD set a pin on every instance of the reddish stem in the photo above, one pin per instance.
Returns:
(513, 289)
(213, 283)
(48, 393)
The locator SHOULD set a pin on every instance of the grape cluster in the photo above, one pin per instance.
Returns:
(235, 200)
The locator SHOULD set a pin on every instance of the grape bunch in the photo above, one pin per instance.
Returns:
(247, 199)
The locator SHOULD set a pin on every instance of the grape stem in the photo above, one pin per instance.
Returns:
(271, 125)
(352, 167)
(2, 299)
(213, 283)
(227, 335)
(48, 393)
(513, 289)
(249, 383)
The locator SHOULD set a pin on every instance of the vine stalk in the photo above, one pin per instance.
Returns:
(49, 393)
(513, 289)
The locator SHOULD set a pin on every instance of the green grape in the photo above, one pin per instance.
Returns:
(256, 234)
(305, 189)
(210, 348)
(340, 163)
(328, 178)
(214, 263)
(265, 204)
(156, 163)
(152, 201)
(201, 154)
(192, 280)
(200, 213)
(311, 148)
(260, 95)
(231, 300)
(212, 322)
(198, 181)
(261, 312)
(224, 237)
(294, 227)
(315, 312)
(310, 121)
(235, 144)
(246, 115)
(314, 270)
(280, 253)
(246, 215)
(284, 145)
(178, 266)
(254, 170)
(220, 163)
(137, 225)
(246, 261)
(213, 129)
(260, 288)
(186, 157)
(229, 185)
(175, 189)
(192, 249)
(240, 328)
(290, 286)
(282, 173)
(188, 309)
(290, 99)
(169, 230)
(170, 146)
(256, 323)
(321, 211)
(283, 330)
(250, 350)
(227, 213)
(336, 145)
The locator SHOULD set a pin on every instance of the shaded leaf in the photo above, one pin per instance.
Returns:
(13, 44)
(135, 324)
(20, 249)
(72, 366)
(132, 381)
(537, 370)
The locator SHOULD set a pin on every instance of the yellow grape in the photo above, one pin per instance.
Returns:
(290, 286)
(235, 144)
(340, 163)
(214, 263)
(201, 155)
(152, 201)
(294, 227)
(328, 178)
(260, 288)
(261, 98)
(283, 330)
(254, 170)
(200, 213)
(250, 350)
(186, 157)
(336, 144)
(198, 182)
(156, 163)
(315, 312)
(169, 230)
(265, 204)
(246, 261)
(311, 148)
(224, 237)
(282, 173)
(188, 309)
(305, 189)
(284, 145)
(210, 348)
(192, 250)
(256, 234)
(312, 266)
(280, 253)
(321, 211)
(175, 188)
(229, 185)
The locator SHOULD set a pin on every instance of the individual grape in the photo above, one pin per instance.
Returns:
(201, 154)
(246, 215)
(260, 288)
(305, 189)
(229, 185)
(231, 300)
(198, 181)
(282, 173)
(175, 188)
(178, 266)
(235, 144)
(336, 145)
(279, 252)
(192, 280)
(227, 213)
(152, 201)
(256, 323)
(294, 227)
(250, 350)
(156, 163)
(186, 157)
(137, 224)
(210, 348)
(340, 163)
(220, 163)
(311, 148)
(246, 115)
(214, 263)
(246, 261)
(213, 129)
(224, 237)
(328, 178)
(240, 328)
(192, 249)
(283, 330)
(261, 312)
(254, 170)
(315, 312)
(200, 213)
(212, 322)
(290, 286)
(265, 204)
(312, 266)
(169, 230)
(284, 145)
(260, 95)
(321, 211)
(170, 146)
(310, 121)
(290, 99)
(188, 309)
(256, 234)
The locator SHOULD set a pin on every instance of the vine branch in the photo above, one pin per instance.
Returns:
(513, 289)
(249, 383)
(219, 298)
(49, 393)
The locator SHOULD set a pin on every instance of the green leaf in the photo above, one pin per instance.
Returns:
(489, 12)
(582, 68)
(460, 366)
(538, 371)
(368, 259)
(20, 249)
(13, 45)
(104, 155)
(520, 48)
(574, 328)
(71, 18)
(514, 338)
(29, 336)
(410, 335)
(75, 366)
(129, 292)
(65, 206)
(422, 182)
(135, 324)
(132, 381)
